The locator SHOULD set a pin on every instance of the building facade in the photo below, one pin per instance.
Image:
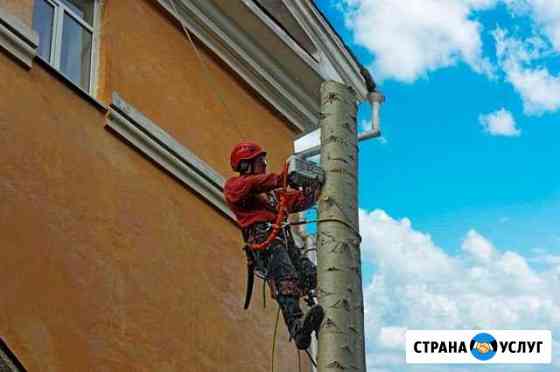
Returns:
(116, 120)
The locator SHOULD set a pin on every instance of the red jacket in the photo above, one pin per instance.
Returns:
(247, 197)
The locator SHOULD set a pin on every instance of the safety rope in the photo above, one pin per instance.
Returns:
(274, 345)
(207, 75)
(282, 202)
(264, 293)
(311, 358)
(345, 223)
(274, 336)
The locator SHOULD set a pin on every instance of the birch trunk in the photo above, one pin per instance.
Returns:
(341, 340)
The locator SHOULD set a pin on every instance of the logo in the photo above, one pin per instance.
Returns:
(483, 346)
(478, 347)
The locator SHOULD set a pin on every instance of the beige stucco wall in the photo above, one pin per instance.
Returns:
(109, 264)
(23, 9)
(150, 62)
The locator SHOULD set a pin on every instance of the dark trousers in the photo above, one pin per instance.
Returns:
(287, 271)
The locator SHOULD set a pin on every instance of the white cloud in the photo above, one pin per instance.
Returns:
(392, 337)
(417, 285)
(500, 123)
(538, 88)
(411, 38)
(478, 247)
(545, 258)
(545, 14)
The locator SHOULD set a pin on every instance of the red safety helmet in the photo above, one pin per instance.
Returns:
(244, 151)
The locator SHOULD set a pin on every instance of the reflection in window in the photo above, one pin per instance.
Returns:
(66, 37)
(81, 8)
(75, 61)
(43, 18)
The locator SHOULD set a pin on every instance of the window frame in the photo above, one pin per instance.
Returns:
(60, 9)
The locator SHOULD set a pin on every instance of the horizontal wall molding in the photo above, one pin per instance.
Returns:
(159, 146)
(18, 39)
(8, 360)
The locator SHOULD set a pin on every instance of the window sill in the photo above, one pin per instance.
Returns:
(69, 83)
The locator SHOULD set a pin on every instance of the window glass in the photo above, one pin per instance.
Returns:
(75, 61)
(43, 17)
(82, 8)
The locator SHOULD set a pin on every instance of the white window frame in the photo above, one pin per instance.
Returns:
(56, 42)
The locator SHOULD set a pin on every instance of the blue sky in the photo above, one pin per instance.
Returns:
(466, 177)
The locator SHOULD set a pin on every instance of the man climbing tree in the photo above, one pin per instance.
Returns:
(261, 202)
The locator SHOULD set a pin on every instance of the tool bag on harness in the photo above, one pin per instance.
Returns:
(260, 263)
(255, 265)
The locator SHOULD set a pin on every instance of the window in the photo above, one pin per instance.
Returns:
(66, 36)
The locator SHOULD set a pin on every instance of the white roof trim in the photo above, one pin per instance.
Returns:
(329, 43)
(286, 38)
(257, 65)
(237, 50)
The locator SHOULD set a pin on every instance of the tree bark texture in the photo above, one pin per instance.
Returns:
(341, 340)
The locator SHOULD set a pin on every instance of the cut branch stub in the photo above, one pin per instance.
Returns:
(353, 330)
(343, 160)
(333, 97)
(342, 304)
(324, 293)
(329, 323)
(336, 365)
(348, 127)
(341, 248)
(334, 268)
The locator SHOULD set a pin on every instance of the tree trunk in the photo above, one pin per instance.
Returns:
(341, 340)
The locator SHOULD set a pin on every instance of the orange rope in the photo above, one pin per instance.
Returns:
(274, 336)
(280, 217)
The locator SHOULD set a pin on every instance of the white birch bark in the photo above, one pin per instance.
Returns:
(341, 340)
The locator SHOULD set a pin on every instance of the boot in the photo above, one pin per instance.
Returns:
(290, 309)
(301, 331)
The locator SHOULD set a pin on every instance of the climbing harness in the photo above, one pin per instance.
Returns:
(281, 215)
(278, 226)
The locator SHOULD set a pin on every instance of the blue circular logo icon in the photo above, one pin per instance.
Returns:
(483, 346)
